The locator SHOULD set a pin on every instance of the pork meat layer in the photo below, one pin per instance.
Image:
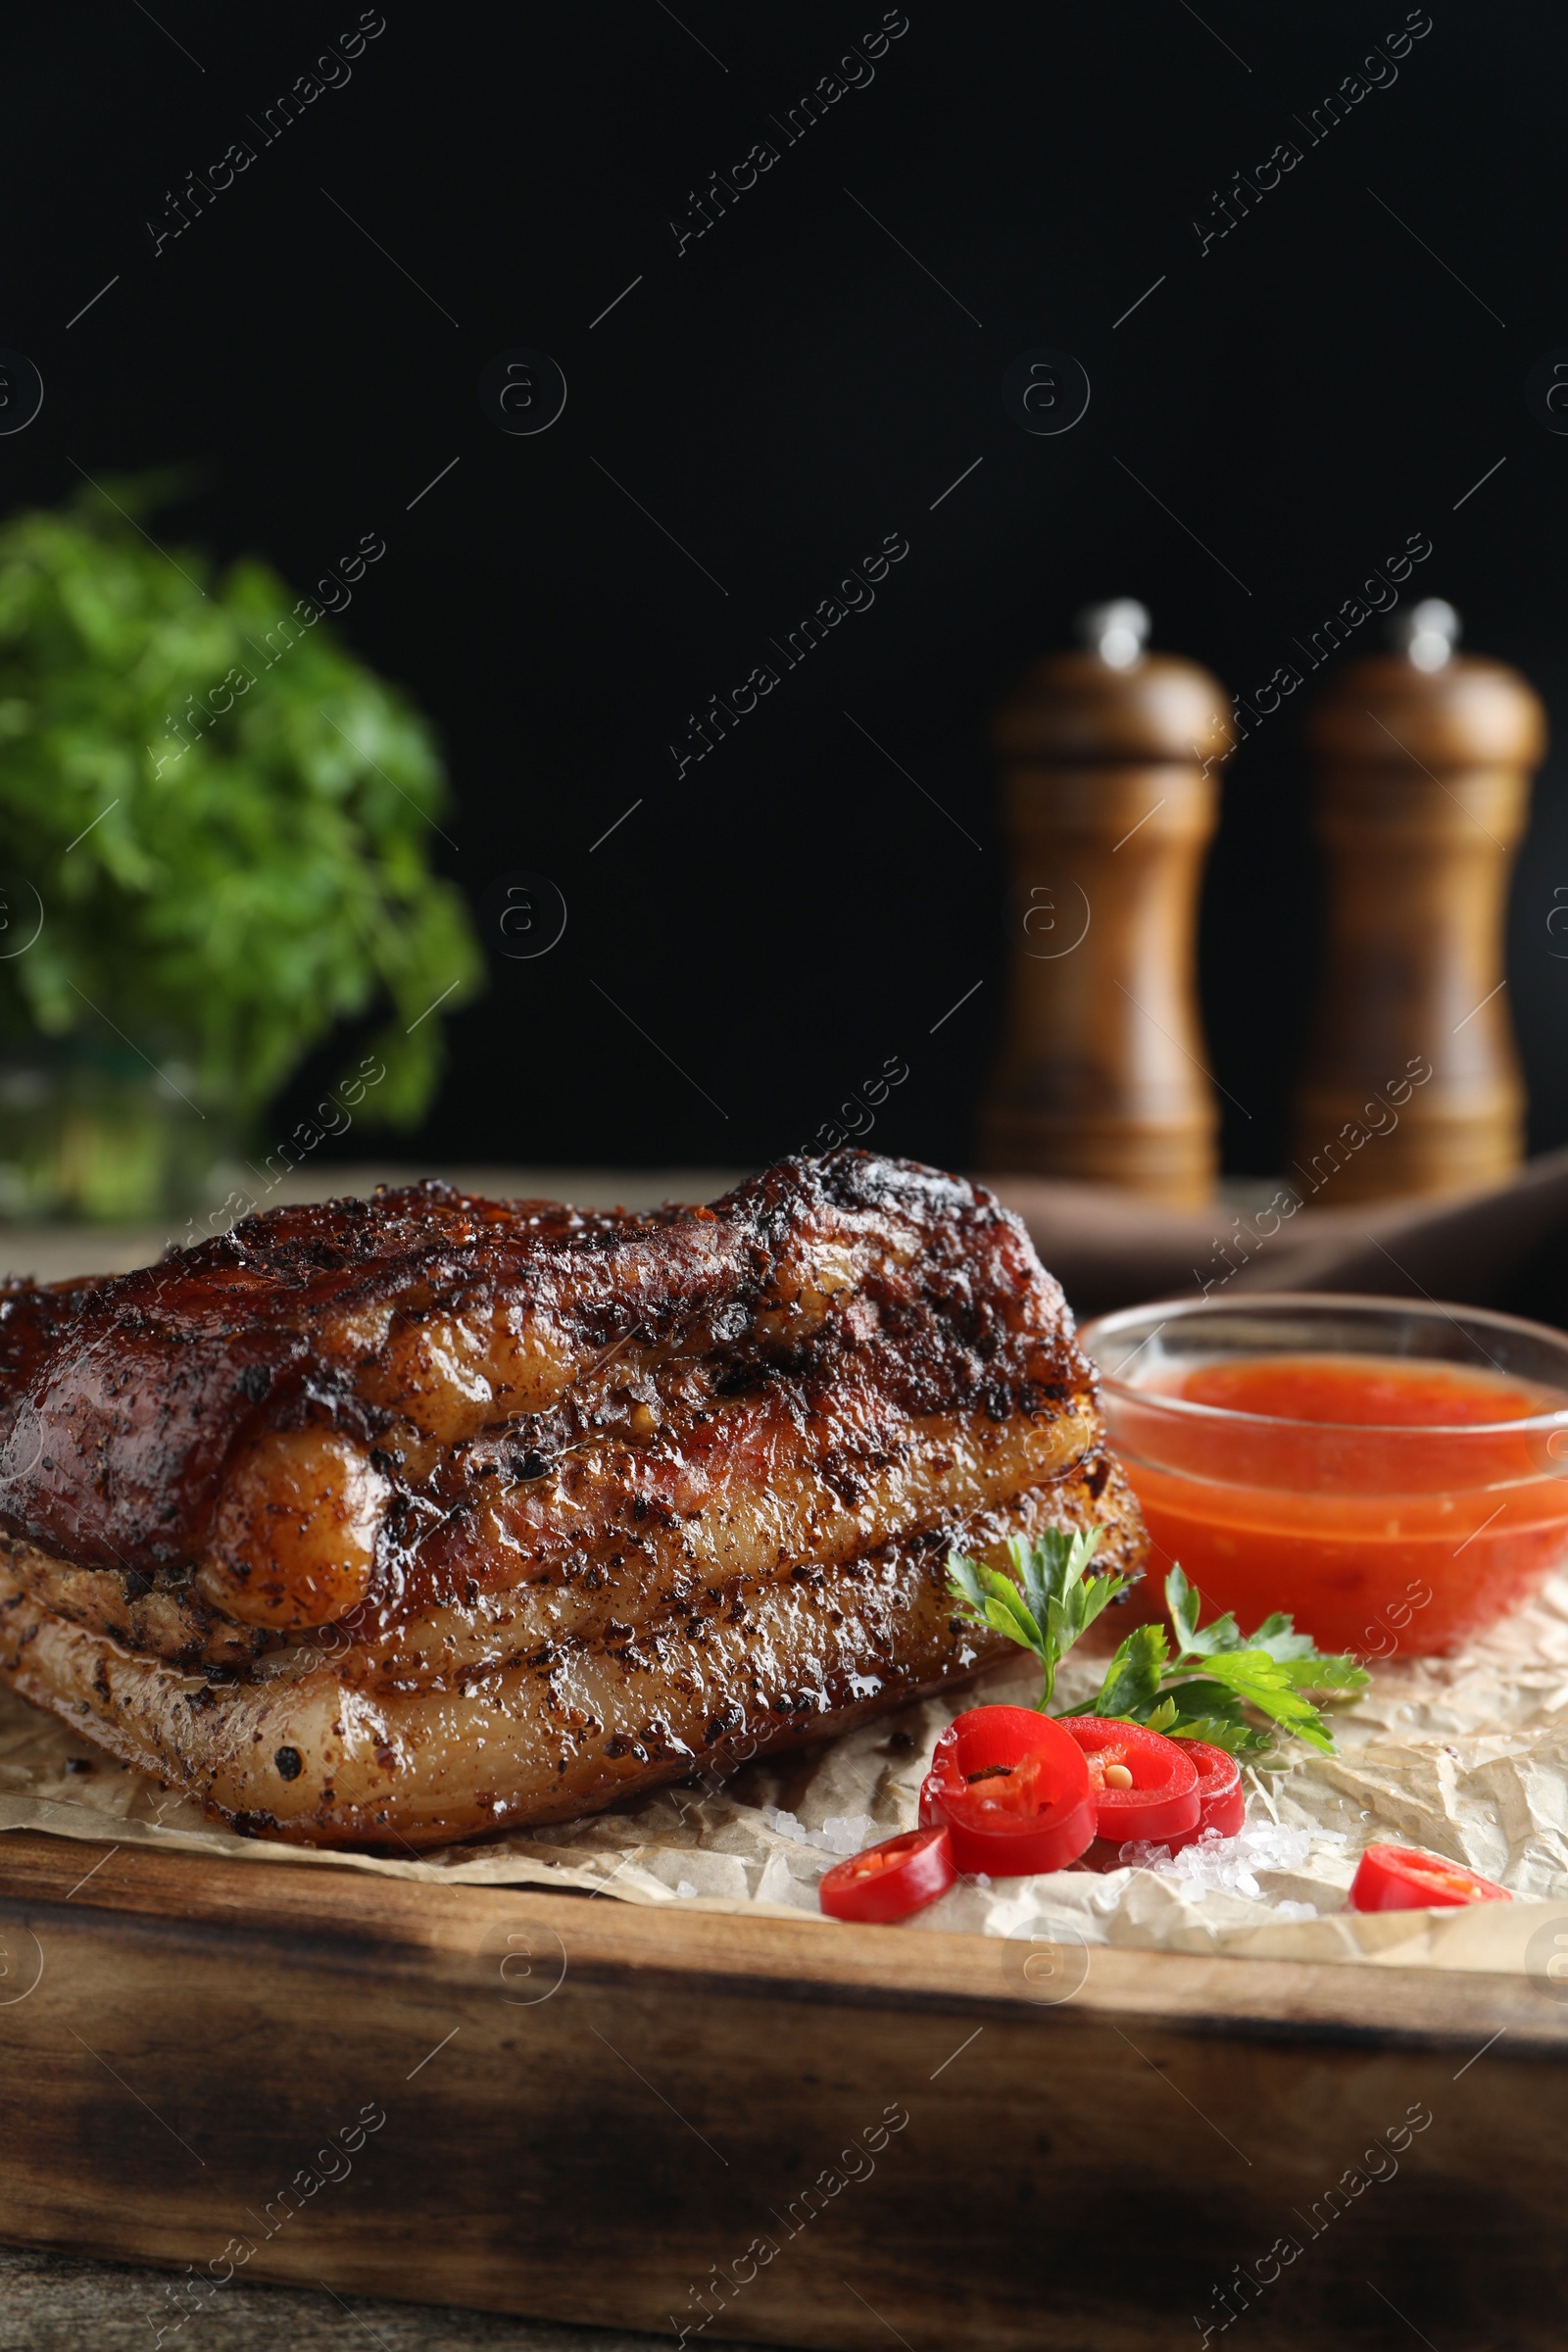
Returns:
(392, 1521)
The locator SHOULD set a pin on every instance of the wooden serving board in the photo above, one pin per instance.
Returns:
(593, 2112)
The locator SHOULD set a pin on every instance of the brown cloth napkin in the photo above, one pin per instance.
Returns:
(1506, 1248)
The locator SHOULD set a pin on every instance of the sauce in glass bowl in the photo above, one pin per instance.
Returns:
(1394, 1473)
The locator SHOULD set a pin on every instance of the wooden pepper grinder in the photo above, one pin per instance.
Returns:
(1109, 797)
(1412, 1081)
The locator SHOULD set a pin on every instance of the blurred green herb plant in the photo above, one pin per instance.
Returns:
(225, 814)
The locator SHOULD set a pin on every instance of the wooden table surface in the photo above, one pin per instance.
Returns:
(605, 2101)
(54, 2303)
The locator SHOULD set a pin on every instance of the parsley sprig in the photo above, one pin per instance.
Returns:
(1219, 1676)
(1053, 1601)
(1213, 1685)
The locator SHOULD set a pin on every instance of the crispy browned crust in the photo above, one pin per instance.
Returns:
(418, 1765)
(610, 1496)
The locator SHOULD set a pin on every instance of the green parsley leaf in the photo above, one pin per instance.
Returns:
(1205, 1694)
(1214, 1687)
(1183, 1601)
(1278, 1635)
(1132, 1679)
(1219, 1672)
(1053, 1602)
(994, 1601)
(963, 1578)
(1320, 1672)
(1236, 1739)
(1262, 1682)
(1183, 1605)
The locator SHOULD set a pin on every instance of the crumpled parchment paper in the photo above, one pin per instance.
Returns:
(1467, 1756)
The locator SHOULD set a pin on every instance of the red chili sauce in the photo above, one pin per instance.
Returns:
(1391, 1505)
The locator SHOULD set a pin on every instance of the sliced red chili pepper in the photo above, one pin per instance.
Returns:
(1221, 1802)
(1013, 1788)
(1145, 1786)
(1399, 1878)
(1221, 1798)
(891, 1880)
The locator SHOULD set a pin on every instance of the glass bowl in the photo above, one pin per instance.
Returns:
(1380, 1535)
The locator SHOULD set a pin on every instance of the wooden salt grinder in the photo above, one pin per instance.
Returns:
(1109, 797)
(1425, 760)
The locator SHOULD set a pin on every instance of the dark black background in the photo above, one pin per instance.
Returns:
(791, 388)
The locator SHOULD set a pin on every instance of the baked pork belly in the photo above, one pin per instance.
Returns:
(393, 1520)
